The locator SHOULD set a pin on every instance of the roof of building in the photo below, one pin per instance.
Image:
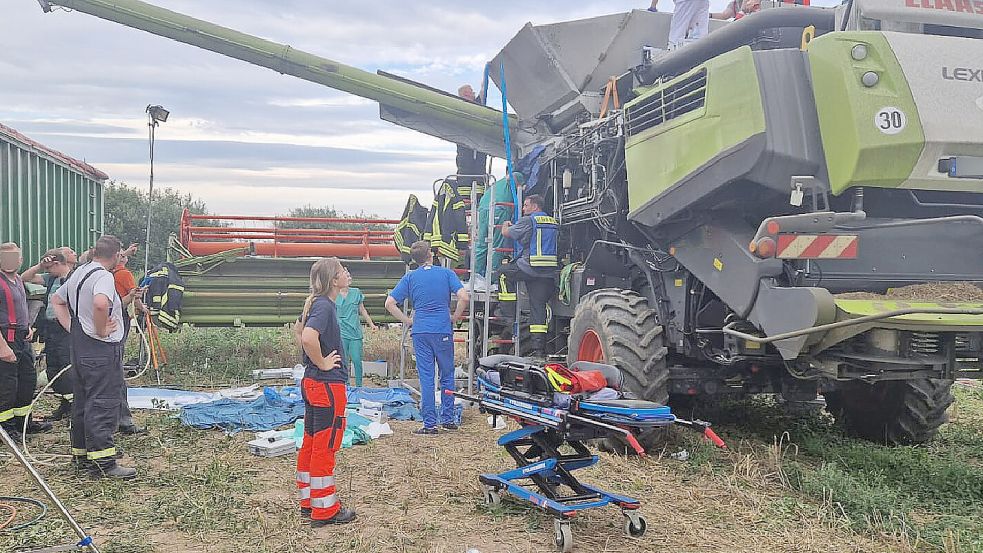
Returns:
(69, 161)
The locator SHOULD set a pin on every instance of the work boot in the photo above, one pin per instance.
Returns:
(132, 430)
(449, 426)
(81, 463)
(343, 516)
(38, 427)
(112, 469)
(64, 410)
(426, 431)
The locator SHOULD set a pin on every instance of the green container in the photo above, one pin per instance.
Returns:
(47, 199)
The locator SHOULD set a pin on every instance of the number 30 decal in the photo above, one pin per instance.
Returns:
(890, 120)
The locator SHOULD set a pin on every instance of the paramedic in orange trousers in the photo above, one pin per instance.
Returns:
(325, 397)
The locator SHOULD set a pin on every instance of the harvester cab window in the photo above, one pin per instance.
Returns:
(920, 17)
(945, 30)
(920, 28)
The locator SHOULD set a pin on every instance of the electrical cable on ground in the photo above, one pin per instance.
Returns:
(51, 458)
(4, 500)
(146, 346)
(13, 515)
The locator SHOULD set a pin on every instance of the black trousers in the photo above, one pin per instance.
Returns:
(540, 290)
(58, 355)
(17, 383)
(96, 409)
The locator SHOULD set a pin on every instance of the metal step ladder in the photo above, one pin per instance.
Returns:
(484, 299)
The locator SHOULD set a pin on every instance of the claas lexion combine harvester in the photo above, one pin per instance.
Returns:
(741, 185)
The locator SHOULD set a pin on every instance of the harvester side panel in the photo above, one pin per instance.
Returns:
(685, 141)
(946, 79)
(897, 256)
(858, 152)
(793, 144)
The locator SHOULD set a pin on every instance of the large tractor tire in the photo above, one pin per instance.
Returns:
(620, 328)
(894, 412)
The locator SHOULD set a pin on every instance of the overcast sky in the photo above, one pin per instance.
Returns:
(242, 138)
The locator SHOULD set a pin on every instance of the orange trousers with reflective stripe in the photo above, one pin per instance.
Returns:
(324, 427)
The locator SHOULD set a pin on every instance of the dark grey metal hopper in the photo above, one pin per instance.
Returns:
(560, 69)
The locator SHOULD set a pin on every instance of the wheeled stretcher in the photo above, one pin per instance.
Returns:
(515, 388)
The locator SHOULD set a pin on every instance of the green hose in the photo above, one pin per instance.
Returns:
(35, 502)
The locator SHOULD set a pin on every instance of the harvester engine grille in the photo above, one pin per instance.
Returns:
(687, 95)
(925, 343)
(964, 343)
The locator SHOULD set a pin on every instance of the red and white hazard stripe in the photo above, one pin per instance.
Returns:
(817, 246)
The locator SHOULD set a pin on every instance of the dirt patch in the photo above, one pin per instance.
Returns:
(936, 292)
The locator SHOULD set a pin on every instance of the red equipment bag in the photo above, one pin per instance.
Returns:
(574, 382)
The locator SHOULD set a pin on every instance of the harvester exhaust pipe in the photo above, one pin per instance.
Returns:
(740, 33)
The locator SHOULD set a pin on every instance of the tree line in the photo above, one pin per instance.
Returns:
(126, 218)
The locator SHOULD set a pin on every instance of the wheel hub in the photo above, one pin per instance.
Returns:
(590, 348)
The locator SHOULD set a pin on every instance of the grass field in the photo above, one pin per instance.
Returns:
(785, 484)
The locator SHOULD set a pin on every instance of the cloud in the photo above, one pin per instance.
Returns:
(244, 138)
(342, 102)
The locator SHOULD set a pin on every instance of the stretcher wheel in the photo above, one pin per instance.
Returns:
(563, 536)
(492, 497)
(635, 525)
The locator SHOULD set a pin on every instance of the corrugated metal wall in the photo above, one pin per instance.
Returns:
(44, 203)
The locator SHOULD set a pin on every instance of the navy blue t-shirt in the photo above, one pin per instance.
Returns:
(323, 318)
(429, 288)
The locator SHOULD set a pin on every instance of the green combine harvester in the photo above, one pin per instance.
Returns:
(748, 180)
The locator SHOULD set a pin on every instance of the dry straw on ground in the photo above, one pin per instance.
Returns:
(932, 292)
(202, 491)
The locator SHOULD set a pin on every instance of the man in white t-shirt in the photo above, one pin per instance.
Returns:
(690, 21)
(88, 306)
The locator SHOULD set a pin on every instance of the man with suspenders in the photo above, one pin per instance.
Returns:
(17, 376)
(88, 306)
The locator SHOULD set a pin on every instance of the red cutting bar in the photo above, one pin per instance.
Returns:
(386, 233)
(192, 217)
(290, 237)
(364, 243)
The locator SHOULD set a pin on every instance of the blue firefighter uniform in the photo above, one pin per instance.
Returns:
(535, 263)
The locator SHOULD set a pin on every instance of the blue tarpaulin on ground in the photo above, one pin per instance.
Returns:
(397, 403)
(273, 410)
(280, 408)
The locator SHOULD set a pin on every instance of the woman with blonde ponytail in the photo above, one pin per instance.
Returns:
(325, 397)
